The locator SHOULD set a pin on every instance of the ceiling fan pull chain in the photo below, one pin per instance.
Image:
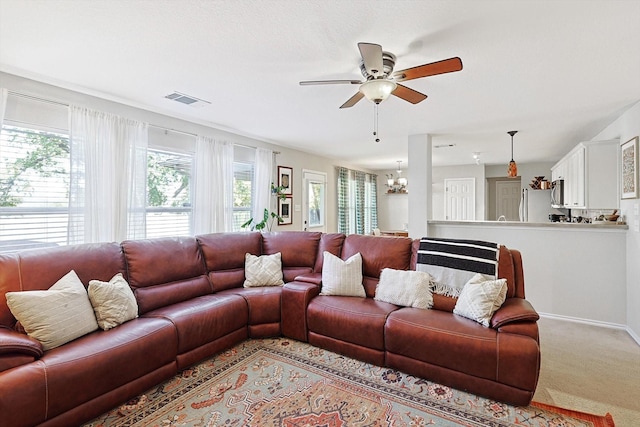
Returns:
(375, 122)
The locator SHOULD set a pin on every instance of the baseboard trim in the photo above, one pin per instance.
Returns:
(633, 335)
(610, 325)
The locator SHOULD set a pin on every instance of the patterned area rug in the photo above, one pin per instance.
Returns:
(281, 382)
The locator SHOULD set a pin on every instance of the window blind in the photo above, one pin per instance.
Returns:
(34, 182)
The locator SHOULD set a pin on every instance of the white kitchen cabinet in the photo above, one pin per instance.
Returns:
(601, 183)
(590, 173)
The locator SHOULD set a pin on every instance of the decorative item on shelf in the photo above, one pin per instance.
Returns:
(397, 185)
(512, 172)
(539, 183)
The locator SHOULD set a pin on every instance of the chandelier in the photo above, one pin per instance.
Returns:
(396, 185)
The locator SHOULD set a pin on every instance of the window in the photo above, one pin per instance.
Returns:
(314, 200)
(357, 202)
(168, 194)
(242, 192)
(34, 188)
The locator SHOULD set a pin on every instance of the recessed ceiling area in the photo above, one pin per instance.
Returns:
(556, 71)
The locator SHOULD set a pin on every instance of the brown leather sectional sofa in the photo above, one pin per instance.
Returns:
(192, 305)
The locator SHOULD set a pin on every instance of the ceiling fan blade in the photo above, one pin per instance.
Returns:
(330, 82)
(408, 94)
(372, 58)
(353, 100)
(441, 67)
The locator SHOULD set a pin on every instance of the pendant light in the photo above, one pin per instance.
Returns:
(512, 172)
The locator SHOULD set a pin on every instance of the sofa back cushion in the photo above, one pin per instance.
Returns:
(377, 253)
(329, 242)
(224, 255)
(299, 251)
(165, 271)
(9, 282)
(39, 269)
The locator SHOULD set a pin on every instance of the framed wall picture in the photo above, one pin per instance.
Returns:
(629, 168)
(284, 210)
(285, 179)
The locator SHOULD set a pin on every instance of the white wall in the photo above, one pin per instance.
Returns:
(440, 173)
(626, 127)
(393, 208)
(569, 271)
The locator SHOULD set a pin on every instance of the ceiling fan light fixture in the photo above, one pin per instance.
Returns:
(377, 90)
(512, 171)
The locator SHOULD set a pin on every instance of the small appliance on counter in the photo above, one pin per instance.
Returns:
(557, 194)
(557, 218)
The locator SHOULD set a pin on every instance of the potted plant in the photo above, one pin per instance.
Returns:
(269, 217)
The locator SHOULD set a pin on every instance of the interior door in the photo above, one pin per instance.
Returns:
(460, 199)
(314, 185)
(508, 200)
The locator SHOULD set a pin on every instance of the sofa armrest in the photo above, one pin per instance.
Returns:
(314, 278)
(295, 299)
(12, 342)
(17, 349)
(512, 311)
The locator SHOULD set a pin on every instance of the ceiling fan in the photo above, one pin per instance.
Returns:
(381, 81)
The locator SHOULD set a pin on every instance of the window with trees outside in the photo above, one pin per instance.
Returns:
(168, 194)
(242, 193)
(34, 188)
(35, 172)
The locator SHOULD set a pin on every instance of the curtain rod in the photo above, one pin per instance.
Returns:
(35, 98)
(196, 135)
(50, 101)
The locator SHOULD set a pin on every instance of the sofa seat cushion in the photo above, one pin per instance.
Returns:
(263, 303)
(352, 319)
(204, 319)
(102, 361)
(443, 339)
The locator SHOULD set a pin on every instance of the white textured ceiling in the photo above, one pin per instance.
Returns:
(557, 71)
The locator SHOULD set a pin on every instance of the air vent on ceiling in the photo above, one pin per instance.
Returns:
(187, 99)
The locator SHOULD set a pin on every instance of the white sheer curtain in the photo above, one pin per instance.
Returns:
(213, 186)
(262, 179)
(108, 176)
(3, 103)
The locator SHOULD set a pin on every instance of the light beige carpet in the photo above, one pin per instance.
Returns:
(591, 369)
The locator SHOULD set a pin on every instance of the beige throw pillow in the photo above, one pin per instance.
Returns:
(480, 298)
(55, 316)
(405, 288)
(264, 270)
(113, 301)
(342, 277)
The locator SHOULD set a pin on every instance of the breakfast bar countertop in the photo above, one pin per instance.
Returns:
(598, 225)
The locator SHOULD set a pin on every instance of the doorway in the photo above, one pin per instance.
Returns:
(460, 199)
(508, 200)
(314, 200)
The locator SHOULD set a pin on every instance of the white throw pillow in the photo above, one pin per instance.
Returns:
(264, 270)
(55, 316)
(113, 301)
(480, 298)
(342, 277)
(405, 287)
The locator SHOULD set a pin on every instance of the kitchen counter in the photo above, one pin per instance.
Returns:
(572, 270)
(598, 225)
